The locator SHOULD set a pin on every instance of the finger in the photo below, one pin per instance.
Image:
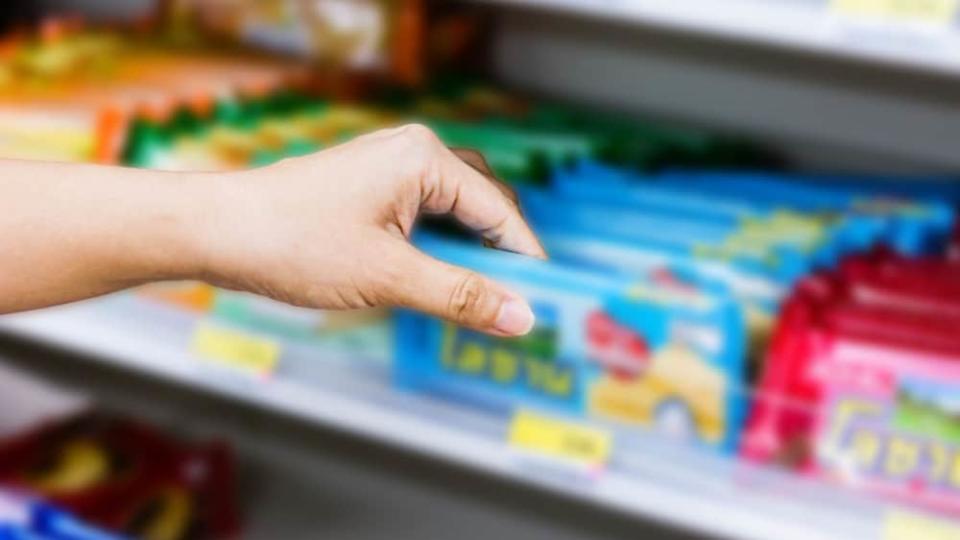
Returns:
(476, 201)
(455, 294)
(477, 160)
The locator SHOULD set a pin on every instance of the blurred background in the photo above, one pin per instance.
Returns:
(747, 330)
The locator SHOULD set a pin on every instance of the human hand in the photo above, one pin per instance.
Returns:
(331, 230)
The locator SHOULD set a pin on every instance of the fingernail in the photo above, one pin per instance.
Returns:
(515, 318)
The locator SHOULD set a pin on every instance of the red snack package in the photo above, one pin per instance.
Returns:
(823, 305)
(87, 462)
(887, 422)
(195, 501)
(127, 477)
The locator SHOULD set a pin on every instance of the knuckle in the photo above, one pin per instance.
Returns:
(418, 149)
(418, 134)
(466, 299)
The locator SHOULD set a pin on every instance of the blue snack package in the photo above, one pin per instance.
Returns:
(666, 355)
(688, 237)
(924, 187)
(23, 517)
(912, 226)
(758, 296)
(58, 525)
(15, 532)
(824, 238)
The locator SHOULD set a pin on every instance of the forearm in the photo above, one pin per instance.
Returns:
(69, 232)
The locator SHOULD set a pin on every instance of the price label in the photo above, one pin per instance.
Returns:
(238, 350)
(926, 11)
(904, 525)
(566, 441)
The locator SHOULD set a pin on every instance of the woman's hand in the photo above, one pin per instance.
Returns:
(332, 230)
(326, 231)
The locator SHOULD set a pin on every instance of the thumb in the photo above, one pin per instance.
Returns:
(456, 294)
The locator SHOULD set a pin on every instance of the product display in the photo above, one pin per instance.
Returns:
(744, 252)
(716, 326)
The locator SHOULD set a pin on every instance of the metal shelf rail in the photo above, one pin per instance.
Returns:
(922, 35)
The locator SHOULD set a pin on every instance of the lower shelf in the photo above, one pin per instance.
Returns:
(646, 476)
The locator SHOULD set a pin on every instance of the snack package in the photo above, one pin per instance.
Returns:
(126, 477)
(826, 302)
(860, 381)
(362, 336)
(927, 187)
(825, 221)
(634, 143)
(913, 226)
(681, 234)
(72, 94)
(367, 36)
(514, 153)
(659, 353)
(758, 296)
(23, 517)
(820, 239)
(887, 423)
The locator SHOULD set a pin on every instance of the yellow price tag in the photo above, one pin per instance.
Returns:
(904, 525)
(560, 439)
(236, 349)
(930, 11)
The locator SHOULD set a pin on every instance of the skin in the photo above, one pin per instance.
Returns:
(330, 230)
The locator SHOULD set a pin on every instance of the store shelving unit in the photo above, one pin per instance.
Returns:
(926, 35)
(645, 476)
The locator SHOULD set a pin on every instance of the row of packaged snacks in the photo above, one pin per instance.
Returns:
(660, 289)
(522, 141)
(68, 93)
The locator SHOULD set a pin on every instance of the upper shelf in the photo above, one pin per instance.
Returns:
(923, 35)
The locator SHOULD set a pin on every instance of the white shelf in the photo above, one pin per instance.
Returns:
(811, 25)
(646, 477)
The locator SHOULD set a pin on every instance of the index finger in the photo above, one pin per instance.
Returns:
(476, 160)
(475, 201)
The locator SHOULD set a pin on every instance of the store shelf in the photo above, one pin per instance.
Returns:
(646, 476)
(926, 37)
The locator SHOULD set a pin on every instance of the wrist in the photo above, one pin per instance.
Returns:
(179, 221)
(214, 221)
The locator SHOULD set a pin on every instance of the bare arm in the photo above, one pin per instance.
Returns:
(328, 231)
(70, 232)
